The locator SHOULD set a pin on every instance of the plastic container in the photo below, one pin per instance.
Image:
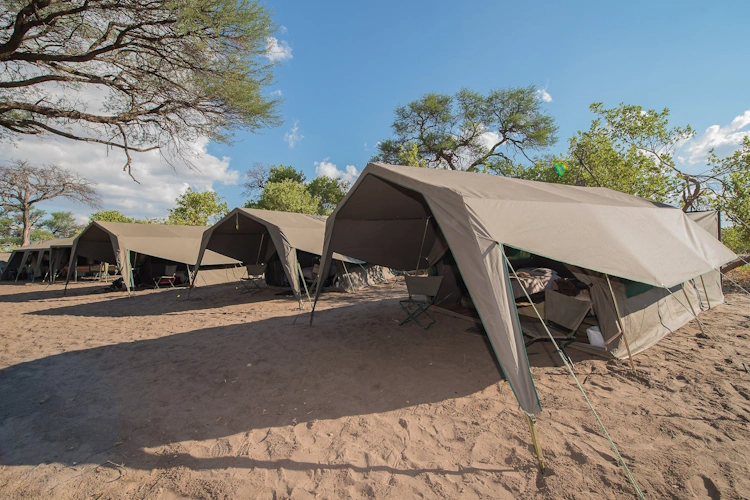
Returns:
(595, 336)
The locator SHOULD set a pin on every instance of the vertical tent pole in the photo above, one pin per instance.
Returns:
(619, 323)
(535, 439)
(260, 249)
(421, 247)
(692, 310)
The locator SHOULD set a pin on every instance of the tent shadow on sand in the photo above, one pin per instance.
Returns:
(90, 405)
(157, 302)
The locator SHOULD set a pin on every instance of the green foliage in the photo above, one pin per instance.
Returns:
(736, 238)
(629, 150)
(286, 196)
(730, 189)
(328, 191)
(469, 131)
(196, 208)
(264, 186)
(117, 216)
(280, 173)
(61, 225)
(173, 70)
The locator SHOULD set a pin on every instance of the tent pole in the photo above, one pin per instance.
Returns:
(421, 247)
(706, 292)
(619, 323)
(260, 248)
(565, 361)
(734, 282)
(347, 275)
(302, 276)
(692, 310)
(535, 439)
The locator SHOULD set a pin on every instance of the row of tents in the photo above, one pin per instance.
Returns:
(286, 242)
(634, 255)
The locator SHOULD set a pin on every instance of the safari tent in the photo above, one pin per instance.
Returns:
(148, 249)
(407, 218)
(286, 242)
(34, 256)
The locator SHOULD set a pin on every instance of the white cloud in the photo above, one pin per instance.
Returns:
(293, 136)
(327, 169)
(724, 140)
(159, 184)
(543, 95)
(277, 50)
(283, 30)
(277, 93)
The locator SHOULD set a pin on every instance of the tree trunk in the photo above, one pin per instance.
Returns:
(26, 225)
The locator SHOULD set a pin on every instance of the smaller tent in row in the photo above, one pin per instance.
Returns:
(43, 260)
(142, 252)
(289, 244)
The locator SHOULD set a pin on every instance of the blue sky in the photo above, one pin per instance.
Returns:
(344, 66)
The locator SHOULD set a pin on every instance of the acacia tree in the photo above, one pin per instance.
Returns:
(135, 75)
(469, 131)
(22, 185)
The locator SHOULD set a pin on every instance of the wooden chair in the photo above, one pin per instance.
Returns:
(424, 286)
(255, 274)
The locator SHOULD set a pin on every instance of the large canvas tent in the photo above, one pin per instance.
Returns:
(253, 236)
(407, 218)
(34, 256)
(121, 243)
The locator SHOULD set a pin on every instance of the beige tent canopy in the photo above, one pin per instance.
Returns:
(120, 242)
(252, 236)
(405, 217)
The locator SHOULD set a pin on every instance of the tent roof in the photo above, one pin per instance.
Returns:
(595, 228)
(303, 231)
(44, 245)
(175, 243)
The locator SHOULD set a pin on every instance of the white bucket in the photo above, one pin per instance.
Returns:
(595, 336)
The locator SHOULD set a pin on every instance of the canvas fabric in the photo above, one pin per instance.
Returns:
(251, 236)
(382, 221)
(113, 241)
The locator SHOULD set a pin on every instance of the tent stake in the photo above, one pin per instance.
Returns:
(619, 323)
(535, 439)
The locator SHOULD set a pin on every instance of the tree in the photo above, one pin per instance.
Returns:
(196, 208)
(259, 175)
(286, 196)
(61, 225)
(111, 216)
(328, 191)
(135, 75)
(22, 185)
(729, 186)
(630, 149)
(469, 131)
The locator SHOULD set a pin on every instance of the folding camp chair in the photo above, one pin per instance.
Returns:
(563, 316)
(426, 286)
(169, 277)
(255, 273)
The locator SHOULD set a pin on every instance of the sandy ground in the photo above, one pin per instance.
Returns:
(225, 396)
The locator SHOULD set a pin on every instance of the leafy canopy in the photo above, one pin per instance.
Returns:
(135, 75)
(117, 216)
(196, 208)
(264, 187)
(469, 131)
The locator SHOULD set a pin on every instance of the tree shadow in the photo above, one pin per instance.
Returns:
(77, 407)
